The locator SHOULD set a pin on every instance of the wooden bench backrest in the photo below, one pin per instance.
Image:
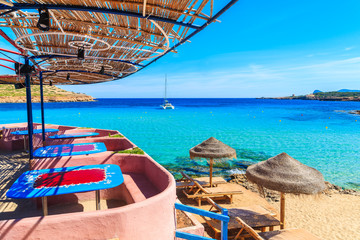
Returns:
(199, 186)
(185, 175)
(194, 181)
(248, 229)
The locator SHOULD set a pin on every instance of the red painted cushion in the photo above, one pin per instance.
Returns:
(69, 178)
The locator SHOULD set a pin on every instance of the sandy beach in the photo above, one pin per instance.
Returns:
(331, 216)
(334, 217)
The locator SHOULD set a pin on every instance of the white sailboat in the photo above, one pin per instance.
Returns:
(166, 104)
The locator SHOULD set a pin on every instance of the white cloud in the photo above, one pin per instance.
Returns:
(275, 76)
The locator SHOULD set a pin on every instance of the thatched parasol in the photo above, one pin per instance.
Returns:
(286, 175)
(212, 149)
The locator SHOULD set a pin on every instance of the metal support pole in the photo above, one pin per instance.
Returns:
(42, 107)
(224, 225)
(29, 111)
(97, 199)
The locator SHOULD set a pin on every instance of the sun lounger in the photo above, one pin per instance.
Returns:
(185, 181)
(256, 216)
(288, 234)
(199, 193)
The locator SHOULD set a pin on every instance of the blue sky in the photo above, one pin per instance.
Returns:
(260, 48)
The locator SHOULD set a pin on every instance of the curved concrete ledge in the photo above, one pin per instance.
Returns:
(150, 216)
(148, 194)
(150, 219)
(10, 142)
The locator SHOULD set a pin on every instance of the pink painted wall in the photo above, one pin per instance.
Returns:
(10, 142)
(149, 216)
(149, 219)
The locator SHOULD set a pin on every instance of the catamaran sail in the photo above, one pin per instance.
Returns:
(166, 104)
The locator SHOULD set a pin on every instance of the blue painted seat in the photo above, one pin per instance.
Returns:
(70, 149)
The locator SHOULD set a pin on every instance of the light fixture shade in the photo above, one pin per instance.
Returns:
(50, 83)
(102, 70)
(17, 67)
(44, 20)
(23, 69)
(19, 85)
(81, 53)
(68, 76)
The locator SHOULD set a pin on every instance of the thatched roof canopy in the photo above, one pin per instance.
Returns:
(119, 37)
(213, 149)
(285, 174)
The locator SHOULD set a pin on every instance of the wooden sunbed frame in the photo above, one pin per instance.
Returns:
(217, 208)
(185, 181)
(200, 193)
(288, 234)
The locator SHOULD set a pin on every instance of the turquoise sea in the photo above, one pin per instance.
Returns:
(320, 134)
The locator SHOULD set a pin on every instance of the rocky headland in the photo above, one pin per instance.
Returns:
(357, 112)
(319, 98)
(8, 94)
(341, 95)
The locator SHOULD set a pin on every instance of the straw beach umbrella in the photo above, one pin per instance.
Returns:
(287, 175)
(212, 149)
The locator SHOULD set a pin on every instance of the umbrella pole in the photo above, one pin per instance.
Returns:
(282, 211)
(211, 171)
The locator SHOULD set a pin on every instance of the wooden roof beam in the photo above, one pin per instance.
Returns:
(149, 5)
(93, 35)
(110, 26)
(18, 6)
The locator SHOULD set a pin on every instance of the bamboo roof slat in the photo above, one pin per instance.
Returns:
(121, 35)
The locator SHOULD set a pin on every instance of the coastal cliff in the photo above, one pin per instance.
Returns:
(326, 96)
(8, 94)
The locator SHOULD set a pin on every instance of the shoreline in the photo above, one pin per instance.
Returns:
(274, 196)
(242, 180)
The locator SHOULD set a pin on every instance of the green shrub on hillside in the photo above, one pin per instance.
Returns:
(337, 94)
(132, 151)
(116, 136)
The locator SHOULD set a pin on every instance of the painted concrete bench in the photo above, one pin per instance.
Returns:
(139, 187)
